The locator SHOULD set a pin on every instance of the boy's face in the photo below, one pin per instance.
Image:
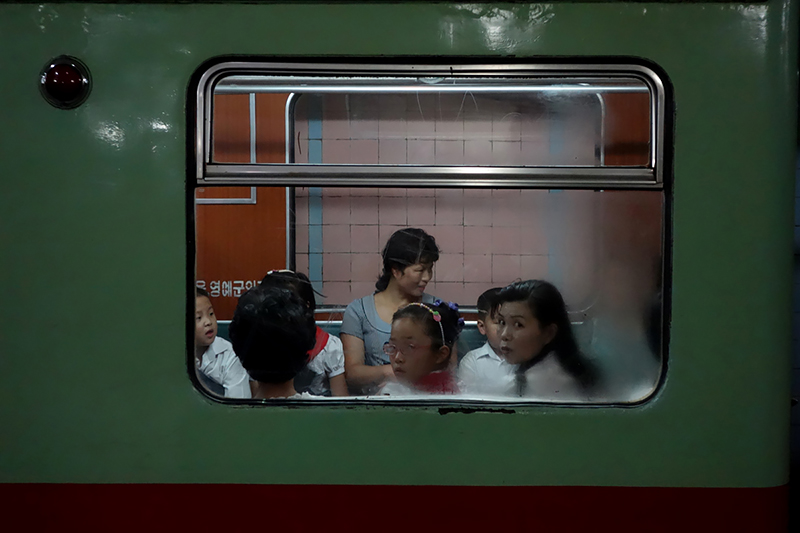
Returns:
(490, 327)
(205, 323)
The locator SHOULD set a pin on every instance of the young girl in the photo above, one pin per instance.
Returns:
(420, 347)
(408, 259)
(535, 333)
(323, 375)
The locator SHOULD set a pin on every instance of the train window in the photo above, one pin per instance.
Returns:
(518, 173)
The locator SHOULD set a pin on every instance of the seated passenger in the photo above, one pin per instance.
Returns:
(482, 371)
(535, 333)
(272, 334)
(419, 348)
(408, 259)
(217, 367)
(323, 374)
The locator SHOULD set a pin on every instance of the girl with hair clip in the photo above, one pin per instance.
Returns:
(420, 347)
(323, 374)
(536, 335)
(408, 259)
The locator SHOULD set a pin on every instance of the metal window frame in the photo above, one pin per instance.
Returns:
(209, 173)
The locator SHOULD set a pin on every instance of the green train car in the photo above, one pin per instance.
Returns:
(638, 155)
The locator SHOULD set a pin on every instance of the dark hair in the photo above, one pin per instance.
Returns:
(295, 281)
(426, 314)
(404, 248)
(487, 303)
(548, 307)
(198, 292)
(271, 333)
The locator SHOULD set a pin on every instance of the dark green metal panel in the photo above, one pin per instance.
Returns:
(92, 211)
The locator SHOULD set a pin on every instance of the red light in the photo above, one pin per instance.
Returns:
(65, 82)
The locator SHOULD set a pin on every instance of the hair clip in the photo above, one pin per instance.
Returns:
(461, 322)
(453, 306)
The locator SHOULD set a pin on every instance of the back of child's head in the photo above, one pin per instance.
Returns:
(547, 305)
(271, 333)
(295, 281)
(440, 321)
(406, 247)
(487, 303)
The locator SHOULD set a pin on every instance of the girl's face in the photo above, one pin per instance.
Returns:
(205, 323)
(522, 337)
(410, 351)
(414, 278)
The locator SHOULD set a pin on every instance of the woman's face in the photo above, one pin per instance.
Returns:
(413, 279)
(410, 351)
(522, 337)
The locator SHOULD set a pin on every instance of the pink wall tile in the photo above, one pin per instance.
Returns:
(392, 151)
(477, 268)
(335, 123)
(477, 207)
(533, 240)
(506, 153)
(336, 239)
(364, 151)
(301, 192)
(362, 288)
(392, 191)
(335, 209)
(449, 267)
(421, 152)
(301, 239)
(364, 239)
(301, 263)
(506, 125)
(363, 210)
(336, 267)
(477, 240)
(366, 267)
(420, 192)
(449, 119)
(364, 191)
(301, 209)
(449, 152)
(478, 152)
(364, 114)
(534, 267)
(535, 129)
(450, 239)
(450, 292)
(422, 211)
(335, 152)
(337, 292)
(477, 120)
(507, 208)
(505, 268)
(535, 153)
(421, 115)
(392, 210)
(505, 240)
(392, 124)
(473, 290)
(335, 191)
(449, 209)
(431, 289)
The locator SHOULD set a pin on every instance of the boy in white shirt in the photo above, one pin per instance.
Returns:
(218, 368)
(482, 371)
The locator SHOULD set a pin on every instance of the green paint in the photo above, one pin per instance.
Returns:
(92, 372)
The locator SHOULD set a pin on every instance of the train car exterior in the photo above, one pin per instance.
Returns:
(102, 425)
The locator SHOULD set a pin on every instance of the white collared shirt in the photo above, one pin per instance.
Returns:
(483, 372)
(220, 364)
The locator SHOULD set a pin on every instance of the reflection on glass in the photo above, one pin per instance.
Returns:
(602, 250)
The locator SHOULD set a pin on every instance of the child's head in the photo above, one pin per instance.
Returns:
(533, 321)
(406, 250)
(271, 333)
(294, 281)
(487, 318)
(422, 339)
(205, 323)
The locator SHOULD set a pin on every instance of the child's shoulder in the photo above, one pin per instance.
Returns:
(221, 345)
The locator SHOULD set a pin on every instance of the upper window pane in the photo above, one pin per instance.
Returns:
(435, 121)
